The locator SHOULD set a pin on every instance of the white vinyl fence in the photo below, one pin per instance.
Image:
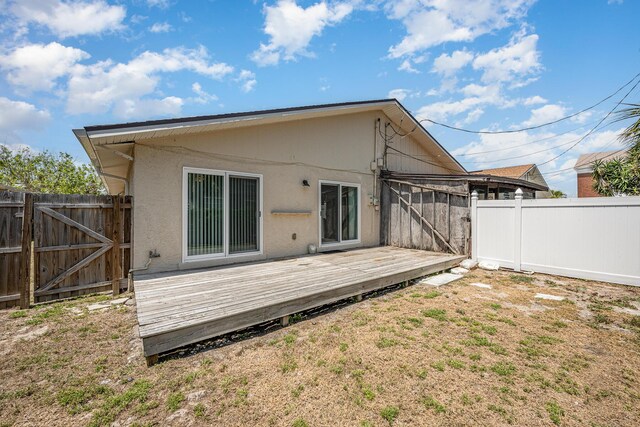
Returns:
(589, 238)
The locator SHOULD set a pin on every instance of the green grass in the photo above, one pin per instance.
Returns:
(174, 401)
(289, 365)
(296, 392)
(438, 366)
(114, 405)
(555, 412)
(503, 369)
(456, 364)
(520, 278)
(415, 321)
(300, 422)
(18, 314)
(384, 342)
(199, 411)
(431, 294)
(435, 313)
(495, 306)
(390, 413)
(344, 346)
(431, 403)
(290, 338)
(77, 399)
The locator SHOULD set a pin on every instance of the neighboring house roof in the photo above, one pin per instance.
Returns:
(470, 178)
(506, 172)
(584, 162)
(110, 147)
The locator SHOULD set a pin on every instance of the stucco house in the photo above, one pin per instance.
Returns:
(214, 190)
(584, 170)
(504, 189)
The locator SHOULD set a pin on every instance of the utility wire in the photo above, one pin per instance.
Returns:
(536, 126)
(593, 129)
(526, 143)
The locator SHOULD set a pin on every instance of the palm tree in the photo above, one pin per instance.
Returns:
(621, 176)
(631, 135)
(557, 194)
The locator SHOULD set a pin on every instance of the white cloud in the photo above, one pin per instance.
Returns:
(162, 4)
(247, 80)
(161, 27)
(15, 115)
(70, 18)
(406, 66)
(429, 23)
(203, 96)
(38, 66)
(448, 65)
(545, 114)
(399, 94)
(473, 116)
(143, 108)
(516, 60)
(18, 116)
(291, 27)
(533, 100)
(105, 85)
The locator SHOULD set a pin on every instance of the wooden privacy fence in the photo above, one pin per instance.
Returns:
(55, 246)
(422, 216)
(596, 238)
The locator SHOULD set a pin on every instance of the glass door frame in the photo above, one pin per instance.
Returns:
(340, 242)
(185, 218)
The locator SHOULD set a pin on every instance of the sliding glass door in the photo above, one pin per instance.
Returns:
(339, 213)
(221, 214)
(244, 214)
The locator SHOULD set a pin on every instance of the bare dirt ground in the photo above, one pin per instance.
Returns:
(451, 356)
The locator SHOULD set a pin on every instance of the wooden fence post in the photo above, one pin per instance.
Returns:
(116, 258)
(474, 225)
(25, 259)
(517, 244)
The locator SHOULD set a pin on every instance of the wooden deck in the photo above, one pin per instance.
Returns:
(180, 308)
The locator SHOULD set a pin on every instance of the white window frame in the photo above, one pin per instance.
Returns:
(358, 197)
(225, 226)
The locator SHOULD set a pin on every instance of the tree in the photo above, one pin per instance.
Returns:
(621, 176)
(557, 194)
(46, 172)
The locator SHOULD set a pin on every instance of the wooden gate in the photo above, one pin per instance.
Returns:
(55, 246)
(11, 212)
(422, 216)
(81, 244)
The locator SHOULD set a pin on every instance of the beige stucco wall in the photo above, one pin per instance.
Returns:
(338, 148)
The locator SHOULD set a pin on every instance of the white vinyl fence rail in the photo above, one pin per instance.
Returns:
(590, 238)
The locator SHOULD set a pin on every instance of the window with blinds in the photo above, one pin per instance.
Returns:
(222, 213)
(339, 213)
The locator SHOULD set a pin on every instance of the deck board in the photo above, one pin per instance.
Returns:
(180, 308)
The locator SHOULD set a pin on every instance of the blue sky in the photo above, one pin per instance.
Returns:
(481, 65)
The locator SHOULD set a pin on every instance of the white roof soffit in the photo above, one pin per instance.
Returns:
(96, 136)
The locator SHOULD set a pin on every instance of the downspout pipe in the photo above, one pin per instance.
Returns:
(125, 180)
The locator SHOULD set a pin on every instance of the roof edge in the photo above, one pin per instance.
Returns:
(190, 119)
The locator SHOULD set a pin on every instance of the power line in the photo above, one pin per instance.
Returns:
(536, 126)
(595, 127)
(526, 143)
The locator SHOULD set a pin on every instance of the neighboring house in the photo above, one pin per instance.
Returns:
(504, 189)
(228, 188)
(584, 170)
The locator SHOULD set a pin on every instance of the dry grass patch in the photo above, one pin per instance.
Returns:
(458, 355)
